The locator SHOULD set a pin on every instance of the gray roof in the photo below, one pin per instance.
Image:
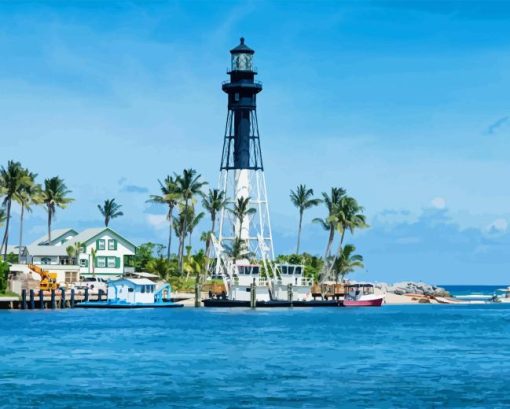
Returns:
(89, 234)
(55, 235)
(47, 250)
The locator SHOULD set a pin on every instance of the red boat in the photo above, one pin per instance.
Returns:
(362, 295)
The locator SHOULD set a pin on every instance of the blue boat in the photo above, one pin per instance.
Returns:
(134, 293)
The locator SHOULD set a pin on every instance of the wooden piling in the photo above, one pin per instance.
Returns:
(63, 298)
(100, 295)
(253, 295)
(53, 301)
(41, 299)
(72, 297)
(198, 301)
(24, 299)
(32, 299)
(86, 294)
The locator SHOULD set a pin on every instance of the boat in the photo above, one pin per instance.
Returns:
(362, 295)
(134, 293)
(504, 298)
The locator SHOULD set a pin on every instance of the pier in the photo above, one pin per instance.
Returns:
(54, 299)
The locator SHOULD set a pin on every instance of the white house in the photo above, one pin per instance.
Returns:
(104, 254)
(131, 290)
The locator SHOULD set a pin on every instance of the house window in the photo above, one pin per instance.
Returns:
(101, 262)
(111, 262)
(101, 245)
(46, 260)
(112, 244)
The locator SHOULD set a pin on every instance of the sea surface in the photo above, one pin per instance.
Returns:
(419, 356)
(473, 290)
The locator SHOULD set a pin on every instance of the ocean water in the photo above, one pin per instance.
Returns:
(422, 356)
(467, 290)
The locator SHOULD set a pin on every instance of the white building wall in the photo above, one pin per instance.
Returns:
(109, 271)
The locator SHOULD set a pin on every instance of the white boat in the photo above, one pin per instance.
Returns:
(503, 298)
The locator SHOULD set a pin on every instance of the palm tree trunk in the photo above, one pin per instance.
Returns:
(49, 225)
(21, 232)
(299, 231)
(5, 241)
(170, 220)
(183, 235)
(208, 243)
(330, 242)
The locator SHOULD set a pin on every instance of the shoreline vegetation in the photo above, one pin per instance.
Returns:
(187, 200)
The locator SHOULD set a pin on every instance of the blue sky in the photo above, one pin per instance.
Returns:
(405, 104)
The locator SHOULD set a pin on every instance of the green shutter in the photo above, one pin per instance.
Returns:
(97, 262)
(97, 244)
(117, 262)
(86, 263)
(115, 244)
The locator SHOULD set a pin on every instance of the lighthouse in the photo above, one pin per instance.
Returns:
(242, 169)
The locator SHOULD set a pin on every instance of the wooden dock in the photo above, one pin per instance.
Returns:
(54, 299)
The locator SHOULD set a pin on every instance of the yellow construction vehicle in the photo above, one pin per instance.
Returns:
(48, 280)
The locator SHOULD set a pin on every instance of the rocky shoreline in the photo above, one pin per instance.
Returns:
(412, 287)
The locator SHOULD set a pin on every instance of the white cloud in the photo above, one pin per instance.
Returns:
(438, 203)
(498, 225)
(157, 221)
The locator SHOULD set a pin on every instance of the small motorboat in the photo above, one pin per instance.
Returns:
(362, 295)
(504, 298)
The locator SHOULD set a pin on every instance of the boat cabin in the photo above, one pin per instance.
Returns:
(357, 290)
(131, 291)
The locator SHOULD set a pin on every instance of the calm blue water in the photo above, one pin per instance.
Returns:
(461, 290)
(419, 356)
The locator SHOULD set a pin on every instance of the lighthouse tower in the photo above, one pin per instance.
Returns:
(242, 169)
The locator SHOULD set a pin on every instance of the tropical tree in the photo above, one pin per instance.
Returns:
(240, 211)
(3, 216)
(214, 202)
(74, 251)
(54, 195)
(170, 196)
(110, 210)
(347, 262)
(348, 217)
(238, 249)
(30, 193)
(188, 185)
(160, 266)
(193, 221)
(329, 223)
(93, 256)
(303, 199)
(11, 179)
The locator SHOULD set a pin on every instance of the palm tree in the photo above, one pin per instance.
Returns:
(11, 180)
(213, 202)
(29, 194)
(3, 216)
(54, 195)
(303, 199)
(241, 211)
(110, 210)
(349, 216)
(328, 223)
(93, 253)
(193, 221)
(74, 251)
(238, 249)
(188, 186)
(170, 196)
(347, 262)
